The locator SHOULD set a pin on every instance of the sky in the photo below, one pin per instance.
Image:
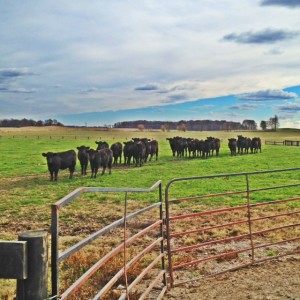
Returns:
(99, 62)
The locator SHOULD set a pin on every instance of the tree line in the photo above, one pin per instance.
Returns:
(200, 125)
(191, 125)
(183, 125)
(28, 122)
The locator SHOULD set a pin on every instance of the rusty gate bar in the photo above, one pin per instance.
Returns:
(88, 274)
(231, 193)
(128, 265)
(250, 220)
(57, 257)
(233, 223)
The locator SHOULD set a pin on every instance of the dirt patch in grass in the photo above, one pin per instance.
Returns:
(277, 279)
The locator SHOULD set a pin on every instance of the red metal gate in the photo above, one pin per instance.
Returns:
(232, 227)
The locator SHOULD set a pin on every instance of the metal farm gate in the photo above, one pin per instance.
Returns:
(246, 218)
(153, 267)
(243, 221)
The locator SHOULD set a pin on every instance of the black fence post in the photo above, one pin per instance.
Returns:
(35, 286)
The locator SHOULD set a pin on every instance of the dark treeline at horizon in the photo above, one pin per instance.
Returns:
(183, 125)
(192, 125)
(28, 122)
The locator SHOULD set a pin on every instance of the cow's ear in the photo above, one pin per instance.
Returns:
(87, 148)
(44, 154)
(96, 142)
(78, 148)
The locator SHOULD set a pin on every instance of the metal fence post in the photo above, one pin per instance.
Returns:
(35, 287)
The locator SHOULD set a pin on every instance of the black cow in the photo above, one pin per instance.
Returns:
(154, 149)
(60, 161)
(192, 147)
(214, 145)
(147, 146)
(178, 145)
(101, 145)
(83, 157)
(206, 148)
(199, 147)
(102, 158)
(255, 145)
(232, 144)
(139, 153)
(128, 151)
(172, 142)
(243, 144)
(117, 150)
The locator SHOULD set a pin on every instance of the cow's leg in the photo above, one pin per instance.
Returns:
(109, 167)
(103, 170)
(72, 169)
(55, 175)
(51, 175)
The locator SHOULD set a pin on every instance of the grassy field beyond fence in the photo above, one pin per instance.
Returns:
(27, 193)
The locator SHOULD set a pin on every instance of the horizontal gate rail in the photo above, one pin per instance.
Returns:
(58, 257)
(229, 254)
(235, 238)
(143, 273)
(101, 232)
(231, 209)
(231, 224)
(234, 193)
(87, 275)
(129, 264)
(253, 233)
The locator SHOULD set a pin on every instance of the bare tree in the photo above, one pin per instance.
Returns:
(182, 126)
(274, 123)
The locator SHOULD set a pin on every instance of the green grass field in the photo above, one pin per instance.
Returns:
(27, 193)
(25, 184)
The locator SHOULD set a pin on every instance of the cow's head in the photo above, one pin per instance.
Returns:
(50, 156)
(83, 148)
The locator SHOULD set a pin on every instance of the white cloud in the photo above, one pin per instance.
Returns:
(267, 95)
(114, 55)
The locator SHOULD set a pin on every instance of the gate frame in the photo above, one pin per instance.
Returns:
(57, 257)
(250, 220)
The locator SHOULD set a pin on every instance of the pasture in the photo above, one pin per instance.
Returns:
(27, 192)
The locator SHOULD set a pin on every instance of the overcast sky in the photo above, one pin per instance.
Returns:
(100, 62)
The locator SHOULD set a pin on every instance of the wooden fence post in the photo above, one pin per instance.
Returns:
(35, 287)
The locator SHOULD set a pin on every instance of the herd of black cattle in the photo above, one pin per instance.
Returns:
(140, 150)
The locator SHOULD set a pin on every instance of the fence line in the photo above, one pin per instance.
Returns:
(245, 235)
(283, 143)
(274, 143)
